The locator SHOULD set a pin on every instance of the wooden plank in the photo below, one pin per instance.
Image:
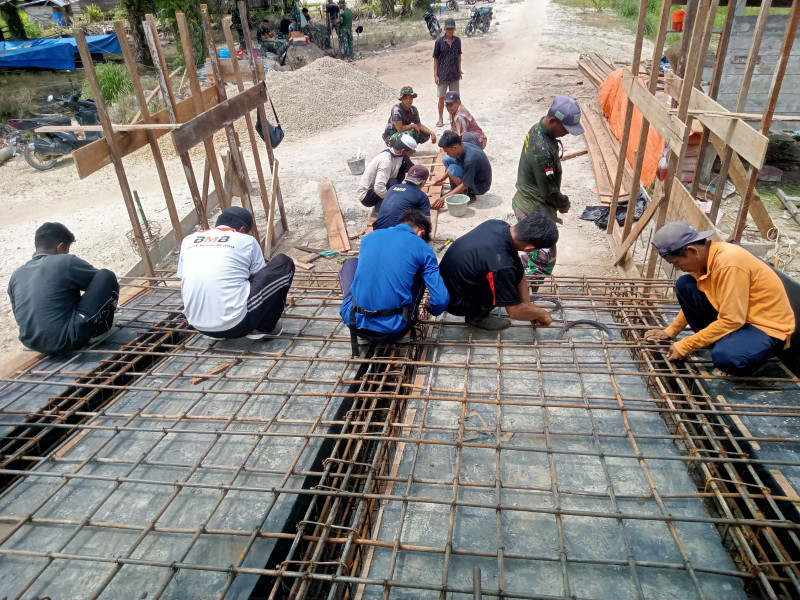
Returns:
(781, 480)
(191, 133)
(683, 207)
(99, 128)
(276, 189)
(334, 222)
(95, 156)
(655, 110)
(746, 141)
(637, 229)
(602, 177)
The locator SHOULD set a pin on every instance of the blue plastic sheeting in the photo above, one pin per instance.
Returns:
(56, 53)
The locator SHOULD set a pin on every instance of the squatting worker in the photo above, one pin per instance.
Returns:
(405, 119)
(403, 197)
(468, 168)
(383, 287)
(446, 64)
(462, 123)
(482, 270)
(732, 301)
(346, 29)
(228, 290)
(539, 174)
(52, 314)
(385, 170)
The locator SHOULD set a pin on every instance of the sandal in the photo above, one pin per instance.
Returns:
(440, 123)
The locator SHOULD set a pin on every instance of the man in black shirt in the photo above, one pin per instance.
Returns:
(332, 19)
(285, 24)
(468, 168)
(482, 270)
(46, 298)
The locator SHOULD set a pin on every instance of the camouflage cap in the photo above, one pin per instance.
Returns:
(566, 110)
(406, 89)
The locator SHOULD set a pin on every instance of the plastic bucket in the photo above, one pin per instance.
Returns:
(457, 204)
(677, 20)
(356, 165)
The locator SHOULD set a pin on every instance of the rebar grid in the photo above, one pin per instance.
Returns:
(543, 439)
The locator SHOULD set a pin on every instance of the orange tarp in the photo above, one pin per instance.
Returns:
(613, 101)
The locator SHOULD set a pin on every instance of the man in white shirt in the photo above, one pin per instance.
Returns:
(228, 290)
(388, 168)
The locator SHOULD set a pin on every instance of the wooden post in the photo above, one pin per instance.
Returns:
(144, 111)
(741, 101)
(276, 186)
(197, 98)
(262, 184)
(658, 49)
(262, 113)
(151, 34)
(108, 132)
(623, 149)
(769, 110)
(236, 156)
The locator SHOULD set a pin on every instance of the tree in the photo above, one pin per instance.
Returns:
(387, 8)
(10, 14)
(136, 11)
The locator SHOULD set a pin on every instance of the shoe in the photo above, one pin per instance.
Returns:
(258, 335)
(440, 123)
(489, 322)
(104, 336)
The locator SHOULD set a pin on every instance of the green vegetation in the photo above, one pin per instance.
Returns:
(91, 13)
(114, 80)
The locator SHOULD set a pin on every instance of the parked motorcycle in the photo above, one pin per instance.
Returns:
(472, 2)
(452, 4)
(433, 23)
(479, 19)
(43, 149)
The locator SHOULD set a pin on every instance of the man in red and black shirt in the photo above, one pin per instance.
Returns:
(482, 270)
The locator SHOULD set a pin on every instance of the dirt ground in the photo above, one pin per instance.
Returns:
(503, 87)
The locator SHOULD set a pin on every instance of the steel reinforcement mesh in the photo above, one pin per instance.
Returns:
(561, 464)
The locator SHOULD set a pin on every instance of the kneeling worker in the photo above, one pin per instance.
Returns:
(228, 290)
(482, 270)
(468, 168)
(403, 197)
(386, 169)
(52, 314)
(732, 301)
(382, 288)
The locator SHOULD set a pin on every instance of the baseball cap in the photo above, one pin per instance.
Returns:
(452, 97)
(449, 23)
(405, 141)
(406, 89)
(241, 214)
(566, 110)
(417, 174)
(677, 235)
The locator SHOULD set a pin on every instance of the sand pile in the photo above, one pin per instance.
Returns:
(323, 95)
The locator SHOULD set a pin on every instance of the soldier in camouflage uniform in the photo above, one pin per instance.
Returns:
(539, 175)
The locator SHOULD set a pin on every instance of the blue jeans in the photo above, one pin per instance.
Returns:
(741, 352)
(453, 168)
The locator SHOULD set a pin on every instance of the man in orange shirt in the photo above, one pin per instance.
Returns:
(733, 301)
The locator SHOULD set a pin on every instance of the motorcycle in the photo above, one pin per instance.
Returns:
(433, 23)
(479, 18)
(42, 151)
(452, 4)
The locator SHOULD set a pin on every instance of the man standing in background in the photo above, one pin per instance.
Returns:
(331, 19)
(446, 64)
(346, 29)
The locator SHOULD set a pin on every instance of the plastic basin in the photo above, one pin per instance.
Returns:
(457, 204)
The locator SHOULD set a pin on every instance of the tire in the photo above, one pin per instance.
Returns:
(40, 162)
(434, 32)
(470, 29)
(485, 26)
(452, 5)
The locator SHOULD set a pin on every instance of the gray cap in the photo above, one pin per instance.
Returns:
(449, 23)
(677, 235)
(566, 110)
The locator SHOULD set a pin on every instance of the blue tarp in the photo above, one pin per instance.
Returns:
(54, 53)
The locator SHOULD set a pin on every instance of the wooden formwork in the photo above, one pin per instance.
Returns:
(191, 122)
(735, 141)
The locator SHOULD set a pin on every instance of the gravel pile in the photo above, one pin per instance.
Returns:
(323, 95)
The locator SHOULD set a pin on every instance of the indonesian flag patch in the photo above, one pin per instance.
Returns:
(549, 171)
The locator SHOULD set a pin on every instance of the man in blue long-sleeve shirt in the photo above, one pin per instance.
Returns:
(383, 287)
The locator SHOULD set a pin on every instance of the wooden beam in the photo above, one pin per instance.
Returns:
(334, 222)
(655, 110)
(93, 157)
(637, 229)
(99, 128)
(105, 120)
(743, 139)
(144, 111)
(151, 95)
(270, 235)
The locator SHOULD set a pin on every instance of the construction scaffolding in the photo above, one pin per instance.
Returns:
(560, 463)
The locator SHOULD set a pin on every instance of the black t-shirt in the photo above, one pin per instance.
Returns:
(477, 171)
(333, 13)
(285, 26)
(482, 269)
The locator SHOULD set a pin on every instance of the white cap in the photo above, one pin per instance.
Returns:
(408, 141)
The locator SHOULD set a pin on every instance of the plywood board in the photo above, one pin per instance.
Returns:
(682, 207)
(226, 113)
(334, 222)
(93, 157)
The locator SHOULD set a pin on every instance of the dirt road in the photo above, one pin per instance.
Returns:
(502, 87)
